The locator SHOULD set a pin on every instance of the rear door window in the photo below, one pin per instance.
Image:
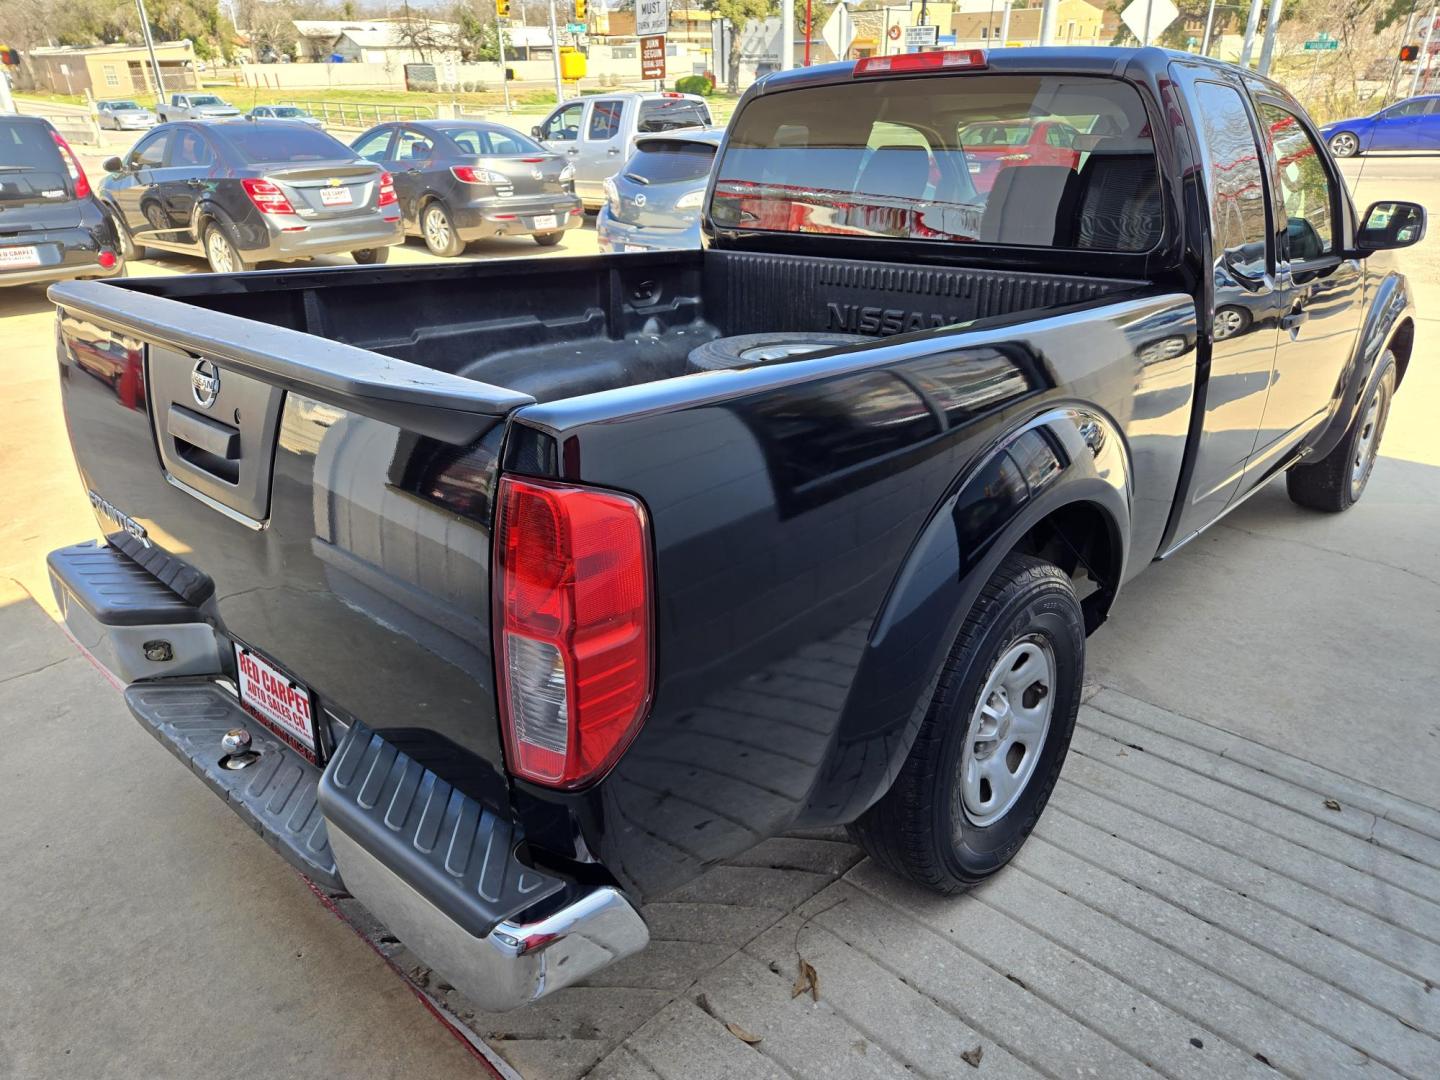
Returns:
(667, 114)
(670, 161)
(887, 158)
(1236, 178)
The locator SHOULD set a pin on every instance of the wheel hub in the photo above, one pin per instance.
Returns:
(1007, 730)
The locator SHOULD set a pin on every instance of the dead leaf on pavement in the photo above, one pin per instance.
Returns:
(1331, 804)
(741, 1034)
(972, 1057)
(806, 979)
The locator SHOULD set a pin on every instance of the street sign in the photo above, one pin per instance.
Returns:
(575, 28)
(652, 18)
(652, 57)
(921, 37)
(1321, 45)
(1147, 19)
(839, 31)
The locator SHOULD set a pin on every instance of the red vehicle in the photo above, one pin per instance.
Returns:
(992, 145)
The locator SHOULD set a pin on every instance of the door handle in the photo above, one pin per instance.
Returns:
(612, 151)
(1294, 319)
(193, 182)
(414, 170)
(209, 435)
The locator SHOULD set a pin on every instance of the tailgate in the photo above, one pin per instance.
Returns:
(335, 497)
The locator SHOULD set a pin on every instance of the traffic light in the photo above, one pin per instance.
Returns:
(1409, 52)
(9, 57)
(502, 9)
(579, 10)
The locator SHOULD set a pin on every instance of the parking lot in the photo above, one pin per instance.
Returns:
(1238, 874)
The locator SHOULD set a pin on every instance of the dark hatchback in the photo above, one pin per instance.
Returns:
(653, 203)
(51, 226)
(250, 191)
(464, 180)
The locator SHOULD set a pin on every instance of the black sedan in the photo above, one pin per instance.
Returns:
(465, 180)
(51, 226)
(249, 191)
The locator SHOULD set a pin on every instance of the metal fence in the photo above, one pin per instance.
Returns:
(351, 114)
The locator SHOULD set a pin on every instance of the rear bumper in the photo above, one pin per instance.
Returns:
(445, 872)
(265, 243)
(67, 254)
(516, 217)
(612, 235)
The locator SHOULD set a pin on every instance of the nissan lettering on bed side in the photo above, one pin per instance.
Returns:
(589, 573)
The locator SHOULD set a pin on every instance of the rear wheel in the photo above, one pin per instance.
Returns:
(991, 745)
(1344, 144)
(1337, 480)
(371, 256)
(549, 239)
(123, 240)
(220, 251)
(438, 230)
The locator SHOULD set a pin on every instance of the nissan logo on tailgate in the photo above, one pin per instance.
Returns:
(205, 383)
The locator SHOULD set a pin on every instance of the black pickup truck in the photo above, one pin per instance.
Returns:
(508, 595)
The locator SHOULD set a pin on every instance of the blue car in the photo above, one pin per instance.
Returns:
(1412, 124)
(653, 203)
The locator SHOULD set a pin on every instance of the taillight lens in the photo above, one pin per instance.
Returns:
(470, 174)
(573, 628)
(267, 196)
(72, 165)
(902, 63)
(387, 190)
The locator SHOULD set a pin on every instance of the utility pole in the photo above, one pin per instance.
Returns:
(1423, 64)
(150, 48)
(1209, 26)
(500, 44)
(1272, 25)
(1047, 22)
(808, 31)
(787, 34)
(1005, 24)
(555, 54)
(1250, 27)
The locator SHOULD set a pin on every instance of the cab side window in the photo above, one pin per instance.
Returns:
(150, 154)
(372, 147)
(605, 120)
(1305, 189)
(564, 126)
(1236, 179)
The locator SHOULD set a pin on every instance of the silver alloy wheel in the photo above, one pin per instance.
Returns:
(1367, 446)
(437, 229)
(1007, 730)
(221, 254)
(1344, 144)
(1228, 322)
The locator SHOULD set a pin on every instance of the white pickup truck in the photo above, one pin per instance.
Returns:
(196, 107)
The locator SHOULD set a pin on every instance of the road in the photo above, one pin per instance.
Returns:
(145, 925)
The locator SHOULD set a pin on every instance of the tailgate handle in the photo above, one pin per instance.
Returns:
(205, 434)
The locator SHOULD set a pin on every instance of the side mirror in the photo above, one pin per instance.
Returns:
(535, 131)
(113, 165)
(1390, 225)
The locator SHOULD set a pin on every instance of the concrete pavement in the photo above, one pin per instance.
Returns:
(1238, 874)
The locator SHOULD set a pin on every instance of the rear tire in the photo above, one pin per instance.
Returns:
(935, 825)
(371, 256)
(123, 240)
(437, 228)
(549, 239)
(1336, 481)
(1344, 144)
(221, 252)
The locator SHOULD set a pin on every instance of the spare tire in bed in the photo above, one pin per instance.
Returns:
(745, 350)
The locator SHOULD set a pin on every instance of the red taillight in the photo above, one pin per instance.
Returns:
(72, 165)
(921, 61)
(573, 628)
(467, 174)
(267, 197)
(106, 259)
(387, 191)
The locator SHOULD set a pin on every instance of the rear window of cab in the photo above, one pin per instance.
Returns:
(949, 158)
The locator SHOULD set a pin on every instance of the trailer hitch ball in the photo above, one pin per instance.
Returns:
(236, 744)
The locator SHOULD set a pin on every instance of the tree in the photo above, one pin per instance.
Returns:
(738, 13)
(476, 35)
(418, 34)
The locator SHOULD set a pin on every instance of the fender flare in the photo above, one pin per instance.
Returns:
(1067, 456)
(1389, 309)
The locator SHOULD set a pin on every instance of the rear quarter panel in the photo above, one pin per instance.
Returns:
(820, 527)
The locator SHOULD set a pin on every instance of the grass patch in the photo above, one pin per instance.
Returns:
(41, 97)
